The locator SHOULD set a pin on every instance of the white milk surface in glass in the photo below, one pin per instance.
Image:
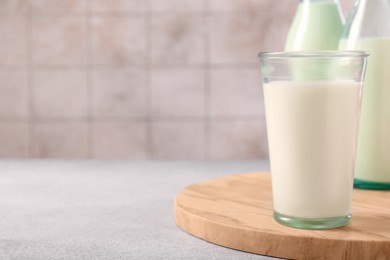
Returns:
(312, 135)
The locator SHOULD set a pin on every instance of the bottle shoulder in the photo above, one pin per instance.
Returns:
(368, 19)
(316, 26)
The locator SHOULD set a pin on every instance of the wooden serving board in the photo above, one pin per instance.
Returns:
(236, 212)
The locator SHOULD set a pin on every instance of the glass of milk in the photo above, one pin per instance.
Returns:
(312, 103)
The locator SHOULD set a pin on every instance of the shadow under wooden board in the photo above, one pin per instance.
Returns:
(236, 212)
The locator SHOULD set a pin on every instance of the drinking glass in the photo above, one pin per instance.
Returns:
(312, 105)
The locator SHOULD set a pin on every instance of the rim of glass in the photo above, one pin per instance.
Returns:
(315, 54)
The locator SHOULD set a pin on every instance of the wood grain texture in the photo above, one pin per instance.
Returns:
(236, 212)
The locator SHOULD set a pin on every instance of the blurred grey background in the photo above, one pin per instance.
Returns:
(136, 79)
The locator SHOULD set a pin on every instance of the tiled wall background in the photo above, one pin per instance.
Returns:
(136, 79)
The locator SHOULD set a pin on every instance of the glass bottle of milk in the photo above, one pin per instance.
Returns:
(368, 28)
(318, 25)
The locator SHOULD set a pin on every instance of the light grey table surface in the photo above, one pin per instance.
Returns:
(104, 209)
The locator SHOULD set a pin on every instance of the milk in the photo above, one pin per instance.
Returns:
(373, 155)
(312, 135)
(317, 26)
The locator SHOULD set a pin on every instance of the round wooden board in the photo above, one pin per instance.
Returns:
(236, 212)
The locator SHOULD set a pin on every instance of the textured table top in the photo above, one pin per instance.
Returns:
(103, 210)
